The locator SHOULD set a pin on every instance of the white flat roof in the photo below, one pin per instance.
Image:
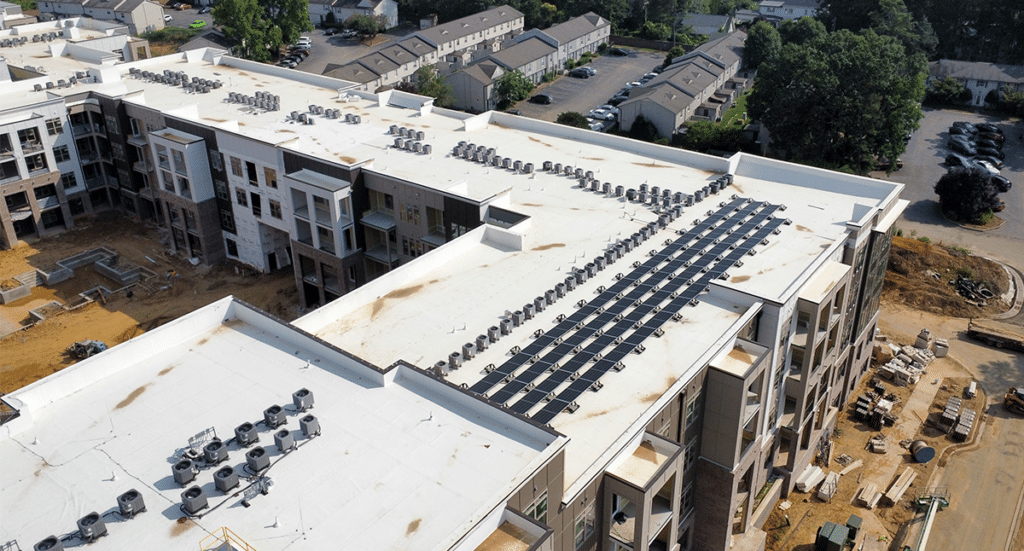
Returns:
(403, 462)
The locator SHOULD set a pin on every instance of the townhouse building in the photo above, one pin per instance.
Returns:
(325, 12)
(979, 77)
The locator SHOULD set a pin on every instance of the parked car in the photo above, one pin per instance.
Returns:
(632, 85)
(205, 9)
(989, 151)
(183, 7)
(960, 147)
(543, 99)
(197, 24)
(619, 52)
(304, 42)
(514, 112)
(300, 51)
(349, 34)
(884, 163)
(601, 115)
(989, 143)
(590, 70)
(617, 99)
(331, 31)
(966, 126)
(609, 108)
(989, 159)
(167, 18)
(957, 160)
(579, 73)
(1002, 183)
(998, 138)
(986, 127)
(959, 130)
(967, 142)
(658, 69)
(987, 166)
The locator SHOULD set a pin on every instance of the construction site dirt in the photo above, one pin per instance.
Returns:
(33, 351)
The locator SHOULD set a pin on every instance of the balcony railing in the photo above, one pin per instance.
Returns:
(143, 166)
(31, 147)
(82, 129)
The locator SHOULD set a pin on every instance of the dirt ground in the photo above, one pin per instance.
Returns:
(35, 352)
(909, 281)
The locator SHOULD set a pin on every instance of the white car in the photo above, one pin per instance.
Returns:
(602, 115)
(610, 108)
(632, 85)
(167, 17)
(304, 42)
(987, 166)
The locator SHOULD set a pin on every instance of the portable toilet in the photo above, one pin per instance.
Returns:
(853, 524)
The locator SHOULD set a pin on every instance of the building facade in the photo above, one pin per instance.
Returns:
(978, 77)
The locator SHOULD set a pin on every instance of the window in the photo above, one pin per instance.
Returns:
(179, 161)
(161, 157)
(54, 127)
(61, 153)
(326, 239)
(275, 209)
(236, 166)
(686, 500)
(9, 170)
(216, 160)
(350, 239)
(584, 526)
(68, 180)
(693, 408)
(405, 246)
(117, 151)
(270, 176)
(227, 221)
(257, 207)
(352, 273)
(232, 247)
(343, 206)
(36, 162)
(136, 129)
(112, 126)
(690, 455)
(28, 136)
(250, 169)
(322, 209)
(166, 177)
(240, 196)
(221, 188)
(186, 191)
(538, 510)
(45, 191)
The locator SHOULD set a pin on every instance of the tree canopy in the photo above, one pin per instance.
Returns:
(572, 118)
(840, 99)
(967, 194)
(430, 83)
(513, 87)
(704, 136)
(801, 31)
(947, 91)
(763, 43)
(260, 27)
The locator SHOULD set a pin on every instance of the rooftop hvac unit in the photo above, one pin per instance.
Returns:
(567, 170)
(183, 472)
(194, 500)
(529, 311)
(215, 452)
(606, 188)
(550, 296)
(91, 526)
(506, 327)
(130, 503)
(481, 342)
(225, 479)
(595, 185)
(51, 543)
(582, 184)
(302, 399)
(245, 434)
(274, 416)
(557, 168)
(284, 440)
(494, 333)
(619, 190)
(310, 425)
(570, 283)
(427, 148)
(539, 303)
(506, 162)
(258, 459)
(441, 368)
(519, 318)
(528, 168)
(655, 190)
(560, 290)
(469, 350)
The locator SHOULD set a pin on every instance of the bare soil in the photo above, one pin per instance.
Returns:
(35, 352)
(909, 280)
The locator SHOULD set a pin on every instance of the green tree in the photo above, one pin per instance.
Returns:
(763, 44)
(290, 16)
(430, 83)
(676, 51)
(966, 194)
(365, 25)
(842, 99)
(1013, 102)
(513, 87)
(572, 118)
(704, 136)
(655, 31)
(801, 31)
(643, 129)
(947, 91)
(894, 19)
(244, 23)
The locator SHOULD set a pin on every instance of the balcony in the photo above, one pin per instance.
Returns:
(379, 219)
(138, 140)
(100, 181)
(623, 524)
(48, 202)
(382, 253)
(435, 236)
(143, 166)
(88, 156)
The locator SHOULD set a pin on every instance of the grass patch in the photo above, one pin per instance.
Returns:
(734, 115)
(168, 39)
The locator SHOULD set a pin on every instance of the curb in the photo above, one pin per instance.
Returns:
(1017, 278)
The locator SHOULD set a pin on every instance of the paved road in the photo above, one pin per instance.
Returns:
(923, 166)
(582, 95)
(184, 18)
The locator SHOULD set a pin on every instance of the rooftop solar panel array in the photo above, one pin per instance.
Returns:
(616, 322)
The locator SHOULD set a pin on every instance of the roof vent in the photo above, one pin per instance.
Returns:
(245, 434)
(571, 408)
(130, 503)
(193, 500)
(91, 526)
(225, 479)
(284, 440)
(598, 385)
(302, 399)
(274, 416)
(257, 459)
(490, 368)
(51, 543)
(310, 425)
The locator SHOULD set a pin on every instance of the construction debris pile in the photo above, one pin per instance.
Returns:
(971, 290)
(958, 424)
(875, 408)
(904, 365)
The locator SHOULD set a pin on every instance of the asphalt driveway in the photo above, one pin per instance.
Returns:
(582, 95)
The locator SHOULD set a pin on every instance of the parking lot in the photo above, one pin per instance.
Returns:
(184, 18)
(924, 164)
(582, 95)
